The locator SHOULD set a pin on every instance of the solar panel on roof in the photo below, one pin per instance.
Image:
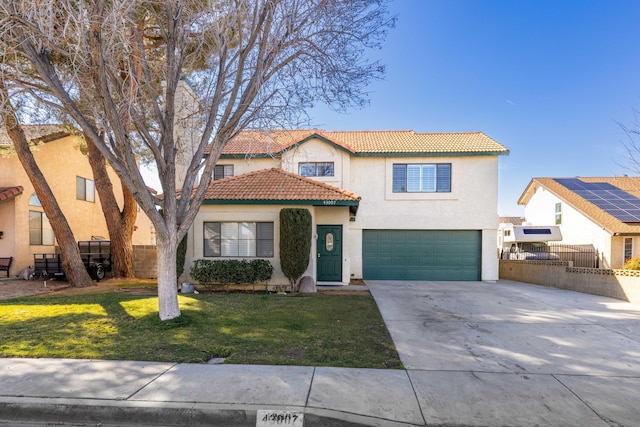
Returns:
(616, 202)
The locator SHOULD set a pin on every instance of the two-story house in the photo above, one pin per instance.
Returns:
(600, 211)
(24, 227)
(393, 205)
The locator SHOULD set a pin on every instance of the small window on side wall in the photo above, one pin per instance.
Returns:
(40, 231)
(558, 213)
(85, 189)
(628, 249)
(34, 201)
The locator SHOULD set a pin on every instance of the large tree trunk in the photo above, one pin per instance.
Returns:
(119, 223)
(167, 279)
(72, 263)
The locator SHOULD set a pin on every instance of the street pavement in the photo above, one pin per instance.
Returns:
(475, 354)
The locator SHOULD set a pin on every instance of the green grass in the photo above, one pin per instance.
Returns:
(311, 330)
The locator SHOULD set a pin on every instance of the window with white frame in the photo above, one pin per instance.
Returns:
(40, 231)
(85, 189)
(316, 169)
(422, 178)
(222, 171)
(238, 239)
(628, 248)
(558, 213)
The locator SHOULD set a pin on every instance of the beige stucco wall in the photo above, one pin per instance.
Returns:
(263, 213)
(316, 150)
(614, 283)
(8, 241)
(576, 229)
(242, 166)
(471, 205)
(61, 162)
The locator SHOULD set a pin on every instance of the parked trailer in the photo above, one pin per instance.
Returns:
(527, 242)
(95, 254)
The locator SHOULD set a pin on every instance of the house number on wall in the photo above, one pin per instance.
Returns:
(329, 202)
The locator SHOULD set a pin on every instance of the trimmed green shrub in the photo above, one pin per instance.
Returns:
(181, 256)
(295, 243)
(262, 270)
(632, 264)
(231, 271)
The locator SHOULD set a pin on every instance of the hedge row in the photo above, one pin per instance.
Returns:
(231, 271)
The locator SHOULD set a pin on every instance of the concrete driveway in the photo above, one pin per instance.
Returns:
(509, 353)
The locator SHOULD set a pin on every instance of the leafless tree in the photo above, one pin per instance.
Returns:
(252, 63)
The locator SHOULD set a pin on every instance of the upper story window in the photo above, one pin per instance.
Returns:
(422, 178)
(558, 213)
(85, 189)
(222, 171)
(40, 231)
(316, 169)
(238, 239)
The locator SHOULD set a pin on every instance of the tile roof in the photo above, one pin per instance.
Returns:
(515, 220)
(40, 133)
(8, 193)
(275, 185)
(268, 142)
(609, 222)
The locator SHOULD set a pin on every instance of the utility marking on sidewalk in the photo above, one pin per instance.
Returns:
(269, 418)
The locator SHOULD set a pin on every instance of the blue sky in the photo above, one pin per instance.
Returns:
(550, 80)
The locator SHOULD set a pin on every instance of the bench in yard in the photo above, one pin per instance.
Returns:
(5, 264)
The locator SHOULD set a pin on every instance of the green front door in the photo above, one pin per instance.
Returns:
(329, 253)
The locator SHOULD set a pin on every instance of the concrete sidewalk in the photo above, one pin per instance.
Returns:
(477, 354)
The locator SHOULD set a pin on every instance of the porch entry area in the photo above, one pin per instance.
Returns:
(329, 253)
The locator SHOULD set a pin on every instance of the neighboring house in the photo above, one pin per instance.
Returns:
(393, 205)
(25, 228)
(599, 211)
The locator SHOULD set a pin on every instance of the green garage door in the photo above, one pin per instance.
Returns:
(422, 254)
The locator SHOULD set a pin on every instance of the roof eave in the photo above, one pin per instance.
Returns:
(281, 202)
(433, 154)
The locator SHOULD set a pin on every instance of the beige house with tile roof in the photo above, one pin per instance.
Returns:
(23, 223)
(397, 205)
(548, 202)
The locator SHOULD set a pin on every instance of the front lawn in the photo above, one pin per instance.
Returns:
(312, 330)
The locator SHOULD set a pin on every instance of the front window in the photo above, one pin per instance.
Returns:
(222, 171)
(40, 231)
(85, 189)
(422, 178)
(238, 239)
(558, 213)
(316, 169)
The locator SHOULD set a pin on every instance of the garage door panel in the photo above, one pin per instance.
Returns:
(422, 254)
